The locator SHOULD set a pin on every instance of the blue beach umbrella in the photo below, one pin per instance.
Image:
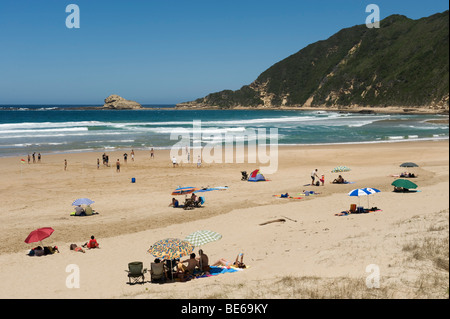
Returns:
(359, 192)
(184, 190)
(82, 201)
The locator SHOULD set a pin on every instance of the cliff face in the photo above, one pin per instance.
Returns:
(117, 102)
(403, 63)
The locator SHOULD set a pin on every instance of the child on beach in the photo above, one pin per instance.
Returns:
(92, 243)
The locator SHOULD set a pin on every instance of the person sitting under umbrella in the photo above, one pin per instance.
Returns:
(79, 211)
(203, 262)
(192, 263)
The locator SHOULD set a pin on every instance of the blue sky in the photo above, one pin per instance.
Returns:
(162, 52)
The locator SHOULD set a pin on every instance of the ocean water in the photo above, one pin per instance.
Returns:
(66, 129)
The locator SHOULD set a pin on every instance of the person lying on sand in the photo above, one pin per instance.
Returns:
(75, 247)
(226, 263)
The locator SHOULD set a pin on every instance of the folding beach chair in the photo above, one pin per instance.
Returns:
(157, 272)
(136, 272)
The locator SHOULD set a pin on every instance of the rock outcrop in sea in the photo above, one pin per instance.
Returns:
(119, 103)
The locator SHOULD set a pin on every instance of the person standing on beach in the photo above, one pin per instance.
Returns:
(199, 162)
(118, 166)
(174, 161)
(152, 153)
(29, 158)
(98, 163)
(132, 155)
(125, 156)
(39, 157)
(65, 165)
(34, 157)
(313, 176)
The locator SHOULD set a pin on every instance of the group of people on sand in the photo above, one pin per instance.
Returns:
(187, 269)
(91, 244)
(43, 251)
(34, 158)
(49, 250)
(320, 180)
(196, 201)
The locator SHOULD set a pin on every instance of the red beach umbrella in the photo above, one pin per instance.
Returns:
(39, 234)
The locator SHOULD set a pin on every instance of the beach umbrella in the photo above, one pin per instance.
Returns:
(370, 191)
(184, 190)
(82, 201)
(39, 234)
(340, 169)
(202, 237)
(358, 192)
(171, 248)
(409, 164)
(404, 183)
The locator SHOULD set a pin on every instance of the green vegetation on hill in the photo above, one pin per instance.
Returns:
(405, 62)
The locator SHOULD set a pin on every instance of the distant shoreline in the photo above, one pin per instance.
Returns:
(351, 109)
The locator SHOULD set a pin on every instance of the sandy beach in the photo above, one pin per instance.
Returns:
(312, 254)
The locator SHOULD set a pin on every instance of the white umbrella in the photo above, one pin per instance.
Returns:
(371, 190)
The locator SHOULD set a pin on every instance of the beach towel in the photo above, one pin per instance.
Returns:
(216, 270)
(284, 196)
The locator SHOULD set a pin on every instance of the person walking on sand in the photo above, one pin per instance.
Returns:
(29, 158)
(65, 165)
(152, 153)
(132, 155)
(125, 156)
(39, 157)
(174, 161)
(34, 157)
(118, 166)
(98, 163)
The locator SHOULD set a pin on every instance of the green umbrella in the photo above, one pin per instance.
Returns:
(404, 183)
(202, 237)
